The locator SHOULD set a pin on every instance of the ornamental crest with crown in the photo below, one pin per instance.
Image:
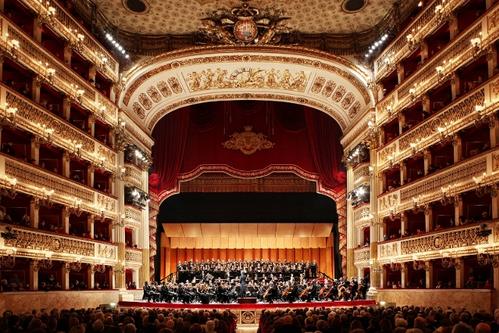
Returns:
(245, 25)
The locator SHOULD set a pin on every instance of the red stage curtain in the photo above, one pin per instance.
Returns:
(169, 148)
(326, 152)
(306, 140)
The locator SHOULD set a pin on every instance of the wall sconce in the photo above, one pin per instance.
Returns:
(46, 133)
(11, 189)
(47, 196)
(8, 116)
(76, 208)
(76, 148)
(13, 46)
(412, 40)
(476, 43)
(412, 92)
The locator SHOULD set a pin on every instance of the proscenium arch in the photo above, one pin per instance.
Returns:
(173, 80)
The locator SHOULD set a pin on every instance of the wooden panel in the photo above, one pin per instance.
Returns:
(231, 254)
(239, 254)
(281, 254)
(285, 229)
(223, 254)
(267, 229)
(298, 254)
(190, 254)
(290, 254)
(273, 255)
(265, 254)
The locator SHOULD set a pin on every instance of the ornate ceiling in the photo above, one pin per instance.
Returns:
(183, 16)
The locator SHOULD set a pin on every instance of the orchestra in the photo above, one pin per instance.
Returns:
(268, 282)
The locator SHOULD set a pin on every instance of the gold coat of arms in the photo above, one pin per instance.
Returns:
(248, 142)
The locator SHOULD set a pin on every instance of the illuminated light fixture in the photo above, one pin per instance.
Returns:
(117, 45)
(376, 45)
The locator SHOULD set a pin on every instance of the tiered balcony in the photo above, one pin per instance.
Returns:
(459, 52)
(446, 122)
(35, 181)
(481, 170)
(420, 27)
(361, 174)
(66, 26)
(458, 241)
(133, 217)
(30, 54)
(41, 244)
(46, 125)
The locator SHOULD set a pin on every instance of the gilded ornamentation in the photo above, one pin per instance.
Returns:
(444, 240)
(105, 251)
(388, 201)
(328, 89)
(175, 85)
(133, 256)
(145, 101)
(354, 110)
(339, 93)
(154, 94)
(244, 25)
(40, 241)
(321, 62)
(362, 255)
(495, 162)
(248, 317)
(164, 89)
(138, 110)
(493, 20)
(246, 78)
(259, 96)
(434, 183)
(248, 142)
(318, 84)
(347, 100)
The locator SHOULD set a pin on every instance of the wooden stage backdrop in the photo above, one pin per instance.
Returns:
(323, 256)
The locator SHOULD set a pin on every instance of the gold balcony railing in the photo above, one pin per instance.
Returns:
(457, 241)
(362, 255)
(51, 187)
(480, 170)
(426, 22)
(446, 122)
(133, 216)
(39, 244)
(51, 128)
(30, 54)
(56, 16)
(133, 256)
(133, 176)
(463, 49)
(361, 174)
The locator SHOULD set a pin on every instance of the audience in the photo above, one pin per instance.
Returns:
(119, 321)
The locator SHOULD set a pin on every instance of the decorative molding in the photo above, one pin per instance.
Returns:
(248, 142)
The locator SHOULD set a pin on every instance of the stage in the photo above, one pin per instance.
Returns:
(236, 306)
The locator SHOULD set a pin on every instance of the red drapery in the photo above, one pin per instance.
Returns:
(306, 141)
(168, 152)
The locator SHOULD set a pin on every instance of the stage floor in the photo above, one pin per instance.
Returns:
(257, 306)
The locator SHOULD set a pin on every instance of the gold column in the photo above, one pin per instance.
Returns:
(144, 270)
(34, 209)
(459, 266)
(33, 275)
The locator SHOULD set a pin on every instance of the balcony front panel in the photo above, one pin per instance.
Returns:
(133, 176)
(40, 244)
(133, 257)
(361, 174)
(456, 54)
(37, 120)
(361, 256)
(33, 56)
(35, 181)
(458, 241)
(67, 27)
(450, 181)
(133, 216)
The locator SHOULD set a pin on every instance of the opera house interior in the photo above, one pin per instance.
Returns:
(222, 165)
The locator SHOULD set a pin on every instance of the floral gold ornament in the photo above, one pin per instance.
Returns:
(248, 142)
(245, 25)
